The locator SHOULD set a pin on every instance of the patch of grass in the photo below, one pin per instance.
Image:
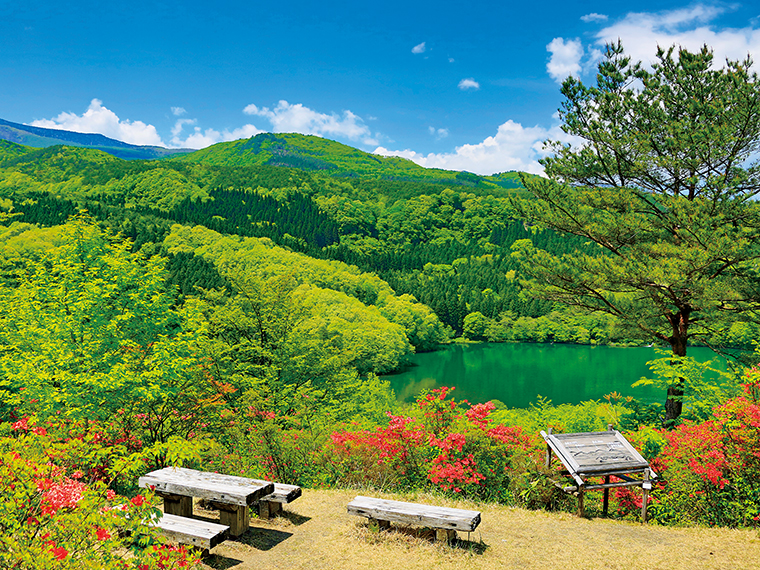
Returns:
(323, 536)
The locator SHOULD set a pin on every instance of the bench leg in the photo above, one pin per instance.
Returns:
(267, 509)
(238, 520)
(445, 535)
(180, 506)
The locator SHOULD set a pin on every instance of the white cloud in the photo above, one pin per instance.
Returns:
(565, 59)
(419, 48)
(513, 147)
(180, 124)
(99, 119)
(438, 133)
(594, 17)
(451, 60)
(178, 111)
(469, 83)
(690, 28)
(287, 118)
(201, 139)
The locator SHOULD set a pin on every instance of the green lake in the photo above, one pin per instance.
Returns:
(517, 373)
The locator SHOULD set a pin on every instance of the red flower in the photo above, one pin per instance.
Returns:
(102, 533)
(23, 423)
(59, 552)
(138, 500)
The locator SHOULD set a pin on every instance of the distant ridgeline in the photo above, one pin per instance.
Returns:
(442, 236)
(308, 152)
(40, 137)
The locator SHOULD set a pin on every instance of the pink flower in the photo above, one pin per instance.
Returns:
(23, 423)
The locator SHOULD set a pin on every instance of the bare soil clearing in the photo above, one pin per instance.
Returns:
(315, 533)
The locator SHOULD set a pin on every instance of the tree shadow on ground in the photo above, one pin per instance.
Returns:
(219, 562)
(263, 538)
(294, 518)
(459, 543)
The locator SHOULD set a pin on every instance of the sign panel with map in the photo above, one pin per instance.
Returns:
(596, 452)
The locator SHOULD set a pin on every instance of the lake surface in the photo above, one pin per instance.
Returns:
(517, 373)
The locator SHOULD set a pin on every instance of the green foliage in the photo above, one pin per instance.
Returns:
(565, 418)
(327, 289)
(54, 515)
(90, 330)
(704, 386)
(9, 150)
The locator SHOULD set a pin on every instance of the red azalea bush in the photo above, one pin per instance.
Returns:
(56, 515)
(452, 447)
(711, 470)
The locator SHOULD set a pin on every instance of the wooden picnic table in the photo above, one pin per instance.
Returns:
(231, 495)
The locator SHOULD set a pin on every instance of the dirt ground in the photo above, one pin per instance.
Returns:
(314, 533)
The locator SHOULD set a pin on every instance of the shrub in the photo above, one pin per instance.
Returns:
(55, 517)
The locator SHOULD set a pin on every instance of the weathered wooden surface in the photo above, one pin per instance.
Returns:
(180, 506)
(215, 487)
(193, 532)
(415, 514)
(239, 520)
(272, 503)
(282, 493)
(445, 535)
(596, 452)
(267, 510)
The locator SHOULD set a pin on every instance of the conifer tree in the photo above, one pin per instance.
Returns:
(662, 180)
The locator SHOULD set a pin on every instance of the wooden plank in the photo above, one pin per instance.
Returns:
(268, 509)
(211, 486)
(192, 532)
(415, 514)
(282, 493)
(596, 452)
(445, 535)
(574, 488)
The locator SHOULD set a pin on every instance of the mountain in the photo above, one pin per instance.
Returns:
(39, 137)
(308, 152)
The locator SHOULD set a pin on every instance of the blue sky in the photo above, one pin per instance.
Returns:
(467, 86)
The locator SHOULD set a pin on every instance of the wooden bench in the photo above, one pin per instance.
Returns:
(193, 532)
(231, 495)
(283, 494)
(444, 520)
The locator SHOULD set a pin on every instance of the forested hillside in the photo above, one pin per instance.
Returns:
(442, 237)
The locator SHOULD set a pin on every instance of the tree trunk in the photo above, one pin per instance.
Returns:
(674, 401)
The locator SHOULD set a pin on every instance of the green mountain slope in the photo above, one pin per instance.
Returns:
(9, 150)
(314, 153)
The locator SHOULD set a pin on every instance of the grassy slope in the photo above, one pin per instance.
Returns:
(316, 153)
(315, 533)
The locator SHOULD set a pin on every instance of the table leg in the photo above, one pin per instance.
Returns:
(180, 506)
(238, 519)
(267, 509)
